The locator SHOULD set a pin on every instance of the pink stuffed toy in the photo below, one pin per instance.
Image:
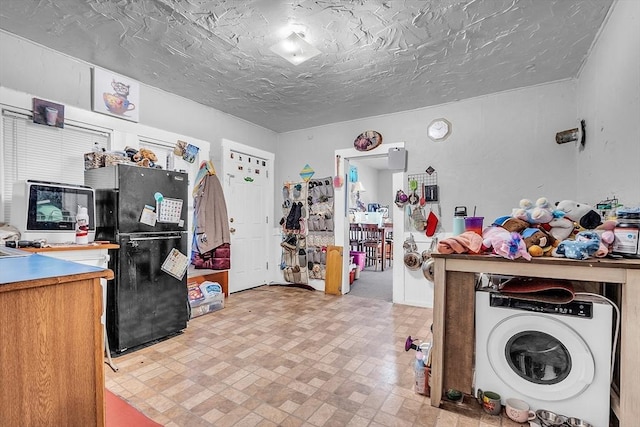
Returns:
(507, 244)
(607, 236)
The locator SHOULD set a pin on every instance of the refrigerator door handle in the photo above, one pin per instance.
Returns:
(133, 239)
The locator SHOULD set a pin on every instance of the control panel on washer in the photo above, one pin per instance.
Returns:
(573, 308)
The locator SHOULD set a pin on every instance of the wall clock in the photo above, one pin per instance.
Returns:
(439, 129)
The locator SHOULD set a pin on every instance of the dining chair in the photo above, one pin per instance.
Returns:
(388, 248)
(372, 243)
(355, 237)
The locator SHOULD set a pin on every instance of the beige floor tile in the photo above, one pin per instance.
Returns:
(289, 357)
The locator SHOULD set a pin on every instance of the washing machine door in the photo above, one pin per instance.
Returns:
(540, 357)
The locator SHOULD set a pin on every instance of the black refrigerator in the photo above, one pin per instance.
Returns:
(144, 210)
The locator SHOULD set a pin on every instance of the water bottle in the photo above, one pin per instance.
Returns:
(420, 378)
(458, 220)
(82, 226)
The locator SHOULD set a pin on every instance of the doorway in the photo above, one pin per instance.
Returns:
(370, 199)
(342, 195)
(248, 179)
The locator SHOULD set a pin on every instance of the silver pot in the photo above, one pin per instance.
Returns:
(412, 260)
(550, 419)
(427, 269)
(577, 422)
(428, 262)
(411, 257)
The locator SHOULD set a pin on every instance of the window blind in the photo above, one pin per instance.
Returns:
(44, 153)
(162, 149)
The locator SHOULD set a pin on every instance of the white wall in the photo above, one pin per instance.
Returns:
(368, 176)
(385, 191)
(47, 74)
(609, 102)
(502, 148)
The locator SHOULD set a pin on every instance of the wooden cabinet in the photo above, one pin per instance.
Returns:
(200, 275)
(51, 343)
(453, 316)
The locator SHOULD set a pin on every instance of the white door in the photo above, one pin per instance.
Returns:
(247, 188)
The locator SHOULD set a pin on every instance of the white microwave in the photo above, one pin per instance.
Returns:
(47, 210)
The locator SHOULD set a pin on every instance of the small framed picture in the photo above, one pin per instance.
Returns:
(115, 95)
(190, 153)
(48, 113)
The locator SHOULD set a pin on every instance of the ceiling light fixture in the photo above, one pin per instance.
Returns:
(295, 49)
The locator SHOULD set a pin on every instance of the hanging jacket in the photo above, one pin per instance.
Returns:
(212, 222)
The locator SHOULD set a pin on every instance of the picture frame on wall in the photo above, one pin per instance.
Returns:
(115, 95)
(48, 113)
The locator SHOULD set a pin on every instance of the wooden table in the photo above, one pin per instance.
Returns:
(453, 317)
(51, 342)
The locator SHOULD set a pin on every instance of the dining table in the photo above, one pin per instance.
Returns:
(385, 234)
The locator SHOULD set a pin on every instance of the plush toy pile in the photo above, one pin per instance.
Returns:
(568, 229)
(142, 157)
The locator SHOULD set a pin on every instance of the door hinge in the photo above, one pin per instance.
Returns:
(267, 265)
(266, 219)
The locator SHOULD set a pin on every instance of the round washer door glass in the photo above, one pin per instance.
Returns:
(538, 357)
(558, 365)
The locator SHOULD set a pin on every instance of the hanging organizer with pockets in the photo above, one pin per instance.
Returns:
(294, 264)
(320, 225)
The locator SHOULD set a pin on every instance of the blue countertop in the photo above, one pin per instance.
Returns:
(35, 267)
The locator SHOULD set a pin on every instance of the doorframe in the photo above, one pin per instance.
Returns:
(226, 147)
(341, 215)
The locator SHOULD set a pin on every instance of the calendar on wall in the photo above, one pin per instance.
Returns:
(169, 210)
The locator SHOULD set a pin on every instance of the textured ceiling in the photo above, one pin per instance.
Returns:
(377, 56)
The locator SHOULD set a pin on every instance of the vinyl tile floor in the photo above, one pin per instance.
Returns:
(286, 356)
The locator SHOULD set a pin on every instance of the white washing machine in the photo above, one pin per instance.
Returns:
(553, 356)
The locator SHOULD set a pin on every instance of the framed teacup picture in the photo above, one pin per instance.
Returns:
(115, 95)
(48, 113)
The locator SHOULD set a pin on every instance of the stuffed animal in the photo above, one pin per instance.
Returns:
(145, 157)
(560, 227)
(585, 245)
(607, 236)
(8, 233)
(540, 213)
(538, 241)
(504, 243)
(511, 224)
(582, 214)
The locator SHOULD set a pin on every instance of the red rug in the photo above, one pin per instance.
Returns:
(120, 414)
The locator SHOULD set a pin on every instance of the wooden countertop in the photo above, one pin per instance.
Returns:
(38, 270)
(65, 247)
(629, 263)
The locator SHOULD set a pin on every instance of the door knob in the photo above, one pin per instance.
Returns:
(232, 230)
